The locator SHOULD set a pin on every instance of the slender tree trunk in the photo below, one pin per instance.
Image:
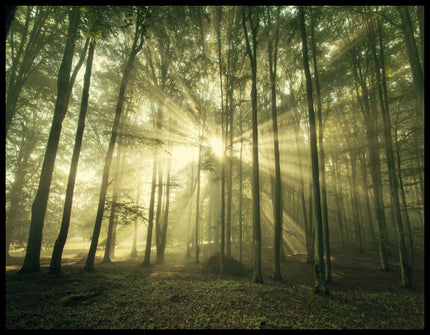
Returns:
(137, 46)
(110, 240)
(355, 203)
(133, 252)
(147, 259)
(241, 191)
(166, 213)
(38, 211)
(253, 17)
(307, 223)
(370, 119)
(321, 159)
(339, 203)
(311, 227)
(222, 160)
(406, 270)
(229, 160)
(320, 282)
(196, 241)
(55, 265)
(404, 203)
(363, 165)
(190, 235)
(277, 194)
(158, 218)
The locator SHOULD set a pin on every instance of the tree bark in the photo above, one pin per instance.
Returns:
(55, 266)
(166, 213)
(196, 236)
(38, 211)
(222, 160)
(160, 190)
(405, 268)
(370, 121)
(277, 199)
(147, 259)
(320, 282)
(137, 46)
(321, 158)
(110, 239)
(253, 17)
(241, 191)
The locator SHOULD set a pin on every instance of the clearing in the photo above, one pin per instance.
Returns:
(179, 294)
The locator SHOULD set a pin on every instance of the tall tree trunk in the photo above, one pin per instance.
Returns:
(355, 204)
(229, 158)
(38, 211)
(405, 268)
(321, 158)
(196, 240)
(339, 203)
(160, 192)
(133, 252)
(320, 282)
(405, 207)
(253, 18)
(55, 266)
(222, 160)
(110, 239)
(240, 190)
(137, 46)
(307, 219)
(311, 227)
(166, 213)
(147, 259)
(370, 120)
(277, 199)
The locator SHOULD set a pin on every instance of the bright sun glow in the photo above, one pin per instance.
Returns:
(216, 146)
(183, 154)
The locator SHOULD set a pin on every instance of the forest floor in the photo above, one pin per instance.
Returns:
(179, 294)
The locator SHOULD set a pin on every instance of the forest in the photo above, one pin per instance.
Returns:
(217, 167)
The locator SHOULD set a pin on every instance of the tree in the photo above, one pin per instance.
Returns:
(321, 152)
(163, 233)
(32, 41)
(110, 239)
(222, 214)
(196, 236)
(413, 55)
(147, 259)
(55, 265)
(370, 121)
(405, 258)
(64, 86)
(252, 15)
(272, 52)
(139, 35)
(320, 281)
